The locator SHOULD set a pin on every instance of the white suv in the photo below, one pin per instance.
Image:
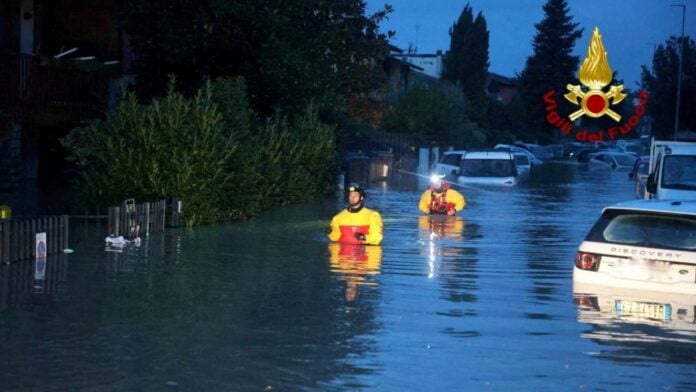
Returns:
(642, 244)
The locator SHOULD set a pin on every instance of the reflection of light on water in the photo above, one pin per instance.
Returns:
(431, 256)
(609, 336)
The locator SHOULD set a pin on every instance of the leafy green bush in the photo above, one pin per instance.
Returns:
(203, 151)
(285, 162)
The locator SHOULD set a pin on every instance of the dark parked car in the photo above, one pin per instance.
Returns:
(584, 156)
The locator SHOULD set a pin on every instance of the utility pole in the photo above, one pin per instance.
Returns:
(679, 76)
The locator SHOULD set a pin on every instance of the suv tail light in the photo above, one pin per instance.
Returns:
(587, 261)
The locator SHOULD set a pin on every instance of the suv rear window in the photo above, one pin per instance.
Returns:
(646, 229)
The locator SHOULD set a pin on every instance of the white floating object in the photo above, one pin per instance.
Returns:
(113, 240)
(121, 242)
(68, 250)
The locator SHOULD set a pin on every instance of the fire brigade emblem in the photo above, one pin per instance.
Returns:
(595, 74)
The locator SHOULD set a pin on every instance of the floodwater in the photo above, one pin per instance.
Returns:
(479, 302)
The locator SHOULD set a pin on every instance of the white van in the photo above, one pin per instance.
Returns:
(488, 167)
(672, 173)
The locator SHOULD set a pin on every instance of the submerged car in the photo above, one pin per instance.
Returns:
(524, 166)
(488, 167)
(641, 244)
(639, 175)
(612, 160)
(584, 155)
(534, 161)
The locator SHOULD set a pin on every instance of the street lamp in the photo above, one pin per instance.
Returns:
(679, 76)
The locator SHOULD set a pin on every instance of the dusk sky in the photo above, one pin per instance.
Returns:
(629, 28)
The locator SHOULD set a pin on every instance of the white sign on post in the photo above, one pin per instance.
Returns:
(40, 269)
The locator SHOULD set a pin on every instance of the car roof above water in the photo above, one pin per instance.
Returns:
(681, 207)
(488, 154)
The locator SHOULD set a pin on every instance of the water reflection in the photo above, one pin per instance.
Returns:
(637, 325)
(482, 299)
(31, 282)
(356, 264)
(440, 226)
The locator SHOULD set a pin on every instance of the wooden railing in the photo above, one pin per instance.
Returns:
(28, 82)
(18, 237)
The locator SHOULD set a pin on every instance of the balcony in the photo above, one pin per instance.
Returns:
(43, 87)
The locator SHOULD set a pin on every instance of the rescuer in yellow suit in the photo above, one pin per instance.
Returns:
(440, 198)
(356, 224)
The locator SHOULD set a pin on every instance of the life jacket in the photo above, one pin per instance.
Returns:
(438, 202)
(348, 231)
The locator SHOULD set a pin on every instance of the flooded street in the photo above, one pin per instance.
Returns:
(482, 301)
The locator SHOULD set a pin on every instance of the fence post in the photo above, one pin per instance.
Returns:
(114, 220)
(5, 242)
(146, 215)
(65, 225)
(175, 210)
(163, 214)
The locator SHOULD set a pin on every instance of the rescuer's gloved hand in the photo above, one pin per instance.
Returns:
(360, 236)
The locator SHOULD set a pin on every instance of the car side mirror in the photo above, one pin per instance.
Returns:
(651, 186)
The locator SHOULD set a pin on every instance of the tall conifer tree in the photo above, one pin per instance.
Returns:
(661, 82)
(551, 66)
(466, 63)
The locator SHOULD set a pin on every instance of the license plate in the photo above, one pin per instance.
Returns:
(644, 310)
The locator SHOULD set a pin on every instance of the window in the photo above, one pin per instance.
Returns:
(679, 172)
(645, 229)
(625, 160)
(451, 159)
(521, 160)
(487, 168)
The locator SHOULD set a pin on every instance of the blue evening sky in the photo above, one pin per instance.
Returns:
(629, 28)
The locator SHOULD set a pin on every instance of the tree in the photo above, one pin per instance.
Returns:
(288, 52)
(437, 115)
(661, 83)
(551, 66)
(466, 64)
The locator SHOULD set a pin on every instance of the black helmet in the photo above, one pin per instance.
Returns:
(355, 187)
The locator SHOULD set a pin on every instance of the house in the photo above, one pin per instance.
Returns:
(56, 59)
(399, 71)
(497, 87)
(427, 63)
(500, 88)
